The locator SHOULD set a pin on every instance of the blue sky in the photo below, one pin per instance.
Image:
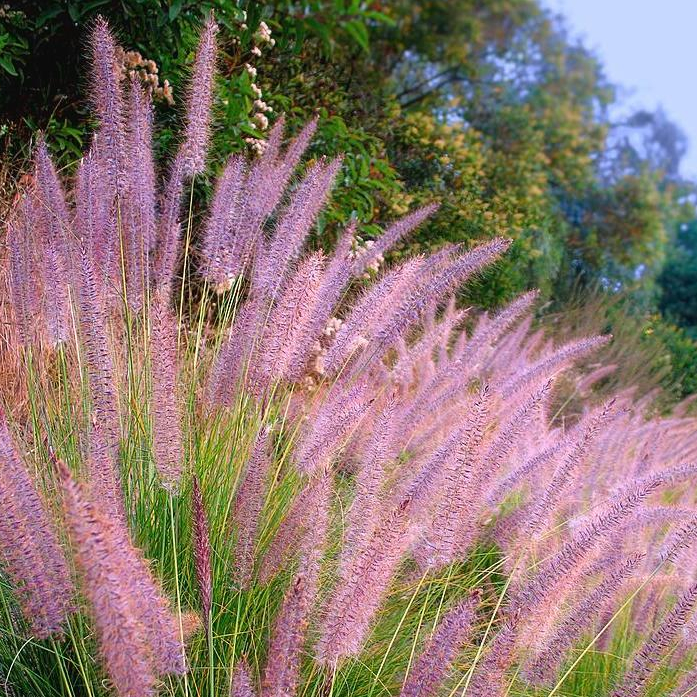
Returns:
(647, 47)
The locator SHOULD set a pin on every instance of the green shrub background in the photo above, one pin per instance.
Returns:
(488, 106)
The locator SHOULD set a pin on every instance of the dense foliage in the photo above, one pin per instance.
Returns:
(487, 105)
(234, 463)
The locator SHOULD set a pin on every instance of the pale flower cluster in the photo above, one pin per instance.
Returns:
(132, 63)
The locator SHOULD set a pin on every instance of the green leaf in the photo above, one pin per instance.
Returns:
(358, 32)
(175, 8)
(7, 66)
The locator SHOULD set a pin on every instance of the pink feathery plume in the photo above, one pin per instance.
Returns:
(293, 527)
(436, 282)
(137, 629)
(189, 160)
(30, 551)
(166, 411)
(683, 538)
(333, 286)
(326, 432)
(227, 372)
(358, 325)
(223, 221)
(410, 366)
(242, 684)
(290, 319)
(511, 432)
(547, 661)
(489, 677)
(104, 475)
(585, 383)
(530, 466)
(489, 334)
(546, 502)
(363, 514)
(249, 503)
(564, 566)
(51, 214)
(110, 589)
(200, 100)
(95, 220)
(108, 152)
(448, 532)
(282, 671)
(166, 255)
(654, 649)
(23, 280)
(294, 227)
(100, 366)
(262, 192)
(394, 233)
(431, 668)
(202, 553)
(548, 365)
(351, 609)
(107, 97)
(138, 206)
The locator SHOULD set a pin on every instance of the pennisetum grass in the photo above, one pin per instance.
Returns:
(232, 465)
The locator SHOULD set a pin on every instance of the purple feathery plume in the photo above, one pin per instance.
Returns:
(436, 282)
(393, 234)
(166, 411)
(223, 219)
(351, 609)
(431, 668)
(564, 565)
(290, 319)
(202, 552)
(262, 191)
(288, 634)
(510, 433)
(327, 431)
(198, 110)
(293, 228)
(22, 276)
(535, 463)
(358, 325)
(546, 503)
(488, 680)
(100, 366)
(452, 494)
(548, 365)
(229, 366)
(109, 589)
(189, 160)
(681, 539)
(108, 153)
(104, 475)
(370, 481)
(293, 527)
(169, 229)
(108, 102)
(138, 206)
(546, 663)
(138, 633)
(249, 503)
(31, 555)
(655, 647)
(242, 685)
(95, 221)
(51, 214)
(491, 332)
(333, 285)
